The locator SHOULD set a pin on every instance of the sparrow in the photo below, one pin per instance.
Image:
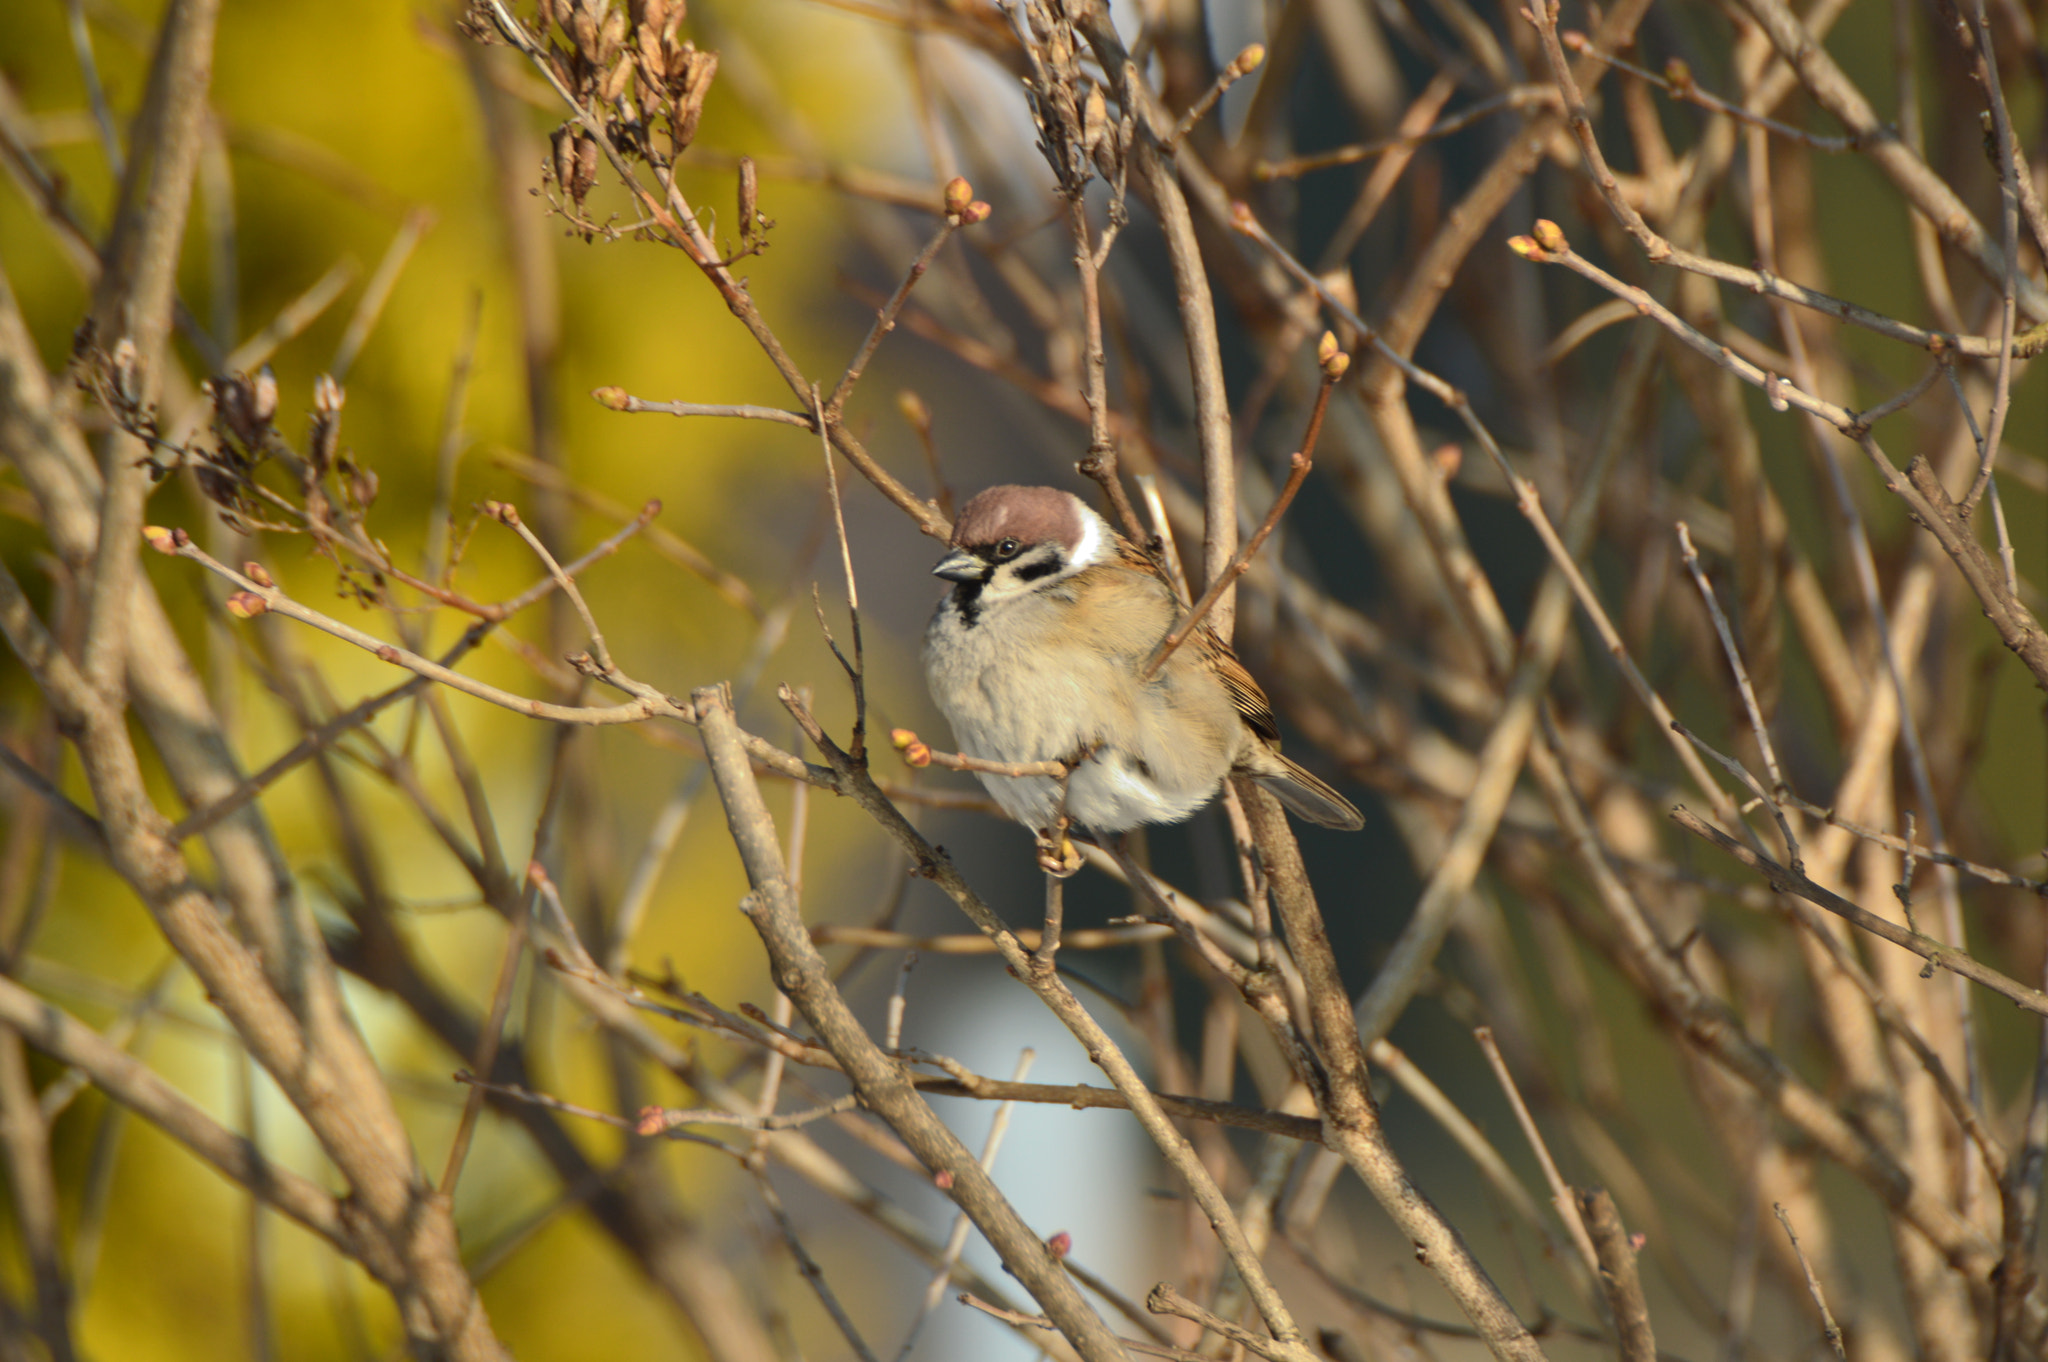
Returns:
(1038, 653)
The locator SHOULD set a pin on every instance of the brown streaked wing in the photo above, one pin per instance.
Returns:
(1251, 702)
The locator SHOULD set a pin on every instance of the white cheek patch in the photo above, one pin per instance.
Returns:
(1092, 547)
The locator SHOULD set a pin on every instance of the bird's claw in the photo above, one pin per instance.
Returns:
(1057, 854)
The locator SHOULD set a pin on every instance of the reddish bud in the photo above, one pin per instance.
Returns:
(1060, 1245)
(615, 398)
(959, 194)
(159, 538)
(258, 574)
(1550, 236)
(978, 211)
(943, 1179)
(247, 605)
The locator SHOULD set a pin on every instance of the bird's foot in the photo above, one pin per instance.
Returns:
(1057, 854)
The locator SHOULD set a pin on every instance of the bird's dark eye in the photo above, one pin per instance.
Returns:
(1007, 550)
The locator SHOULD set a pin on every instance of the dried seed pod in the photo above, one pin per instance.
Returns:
(325, 436)
(586, 168)
(264, 388)
(236, 404)
(618, 78)
(1094, 119)
(562, 156)
(126, 373)
(749, 195)
(218, 486)
(362, 488)
(611, 35)
(696, 84)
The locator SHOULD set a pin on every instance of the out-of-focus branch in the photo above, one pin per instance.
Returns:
(134, 1085)
(336, 1089)
(1832, 89)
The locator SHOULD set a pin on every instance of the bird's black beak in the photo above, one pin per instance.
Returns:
(961, 566)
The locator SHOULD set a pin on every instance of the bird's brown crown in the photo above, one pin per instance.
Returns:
(1029, 515)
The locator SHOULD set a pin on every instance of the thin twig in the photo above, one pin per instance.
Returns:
(2011, 170)
(807, 1265)
(1512, 100)
(618, 399)
(487, 1049)
(958, 200)
(1019, 1318)
(1677, 81)
(1734, 655)
(1829, 1328)
(1241, 66)
(856, 671)
(1561, 1197)
(505, 513)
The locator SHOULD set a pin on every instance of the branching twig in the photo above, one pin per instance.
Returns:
(1937, 953)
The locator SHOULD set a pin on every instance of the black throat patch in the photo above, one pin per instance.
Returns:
(967, 600)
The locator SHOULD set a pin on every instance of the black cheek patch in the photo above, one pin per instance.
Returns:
(1031, 572)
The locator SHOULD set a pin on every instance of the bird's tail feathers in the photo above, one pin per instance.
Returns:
(1308, 798)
